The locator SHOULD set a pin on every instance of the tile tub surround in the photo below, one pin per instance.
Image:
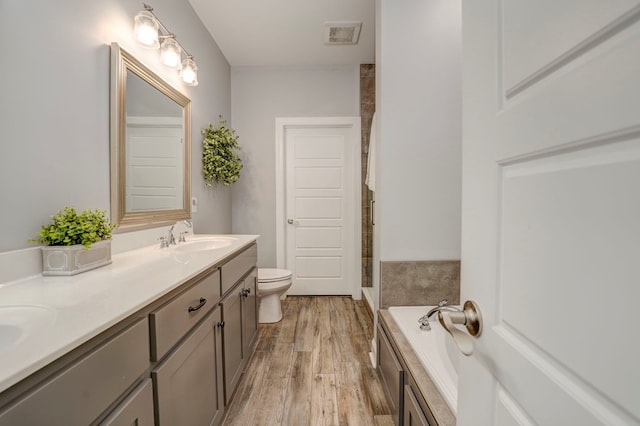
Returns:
(415, 283)
(82, 306)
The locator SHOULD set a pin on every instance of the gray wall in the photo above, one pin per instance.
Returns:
(54, 107)
(259, 95)
(419, 113)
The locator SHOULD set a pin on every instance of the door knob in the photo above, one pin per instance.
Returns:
(470, 318)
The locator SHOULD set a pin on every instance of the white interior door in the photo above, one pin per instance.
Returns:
(320, 209)
(551, 211)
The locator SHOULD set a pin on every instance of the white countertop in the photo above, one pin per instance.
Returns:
(72, 310)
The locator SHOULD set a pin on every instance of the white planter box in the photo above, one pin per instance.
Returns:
(71, 260)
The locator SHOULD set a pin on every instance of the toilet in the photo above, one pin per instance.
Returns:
(272, 283)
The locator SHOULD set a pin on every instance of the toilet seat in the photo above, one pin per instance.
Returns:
(269, 275)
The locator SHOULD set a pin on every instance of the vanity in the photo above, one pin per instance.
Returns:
(160, 336)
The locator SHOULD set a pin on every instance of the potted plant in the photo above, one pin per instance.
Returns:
(75, 243)
(220, 162)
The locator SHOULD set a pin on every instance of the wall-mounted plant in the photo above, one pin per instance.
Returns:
(68, 228)
(220, 161)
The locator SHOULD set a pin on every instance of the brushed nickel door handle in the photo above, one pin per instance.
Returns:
(470, 318)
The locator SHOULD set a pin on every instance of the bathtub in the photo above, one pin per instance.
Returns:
(435, 349)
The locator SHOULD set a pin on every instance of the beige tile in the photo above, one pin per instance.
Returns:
(419, 283)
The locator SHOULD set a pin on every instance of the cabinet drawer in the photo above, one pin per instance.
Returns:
(80, 393)
(173, 320)
(233, 270)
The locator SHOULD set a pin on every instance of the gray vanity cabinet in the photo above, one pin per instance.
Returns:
(177, 361)
(188, 383)
(79, 393)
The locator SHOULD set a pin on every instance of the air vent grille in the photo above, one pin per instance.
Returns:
(342, 32)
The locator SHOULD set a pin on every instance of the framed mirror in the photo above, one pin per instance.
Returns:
(150, 146)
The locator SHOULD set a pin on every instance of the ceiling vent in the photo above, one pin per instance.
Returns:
(342, 32)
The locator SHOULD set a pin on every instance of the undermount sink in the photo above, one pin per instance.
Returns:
(204, 244)
(20, 322)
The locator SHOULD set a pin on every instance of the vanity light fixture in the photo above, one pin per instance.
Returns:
(189, 71)
(151, 33)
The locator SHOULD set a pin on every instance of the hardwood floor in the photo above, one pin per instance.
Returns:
(312, 368)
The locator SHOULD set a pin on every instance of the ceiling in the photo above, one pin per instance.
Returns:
(286, 32)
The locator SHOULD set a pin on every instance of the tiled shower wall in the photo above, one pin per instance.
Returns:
(367, 108)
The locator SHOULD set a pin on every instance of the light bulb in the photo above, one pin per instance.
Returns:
(146, 30)
(189, 72)
(170, 52)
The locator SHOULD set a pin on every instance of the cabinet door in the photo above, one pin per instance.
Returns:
(391, 373)
(136, 410)
(413, 415)
(80, 393)
(187, 383)
(232, 338)
(249, 314)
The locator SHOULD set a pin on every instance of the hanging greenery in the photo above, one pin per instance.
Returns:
(220, 162)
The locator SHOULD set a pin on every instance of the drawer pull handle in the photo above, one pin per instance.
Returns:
(200, 305)
(221, 324)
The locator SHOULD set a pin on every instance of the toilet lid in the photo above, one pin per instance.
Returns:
(266, 275)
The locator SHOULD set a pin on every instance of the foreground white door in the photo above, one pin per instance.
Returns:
(551, 211)
(320, 180)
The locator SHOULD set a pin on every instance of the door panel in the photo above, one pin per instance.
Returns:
(551, 172)
(318, 237)
(155, 161)
(531, 48)
(320, 205)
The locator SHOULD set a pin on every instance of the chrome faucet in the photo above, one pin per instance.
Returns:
(443, 305)
(170, 239)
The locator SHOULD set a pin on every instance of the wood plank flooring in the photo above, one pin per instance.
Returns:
(312, 368)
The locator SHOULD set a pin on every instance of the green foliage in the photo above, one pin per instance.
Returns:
(68, 228)
(220, 162)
